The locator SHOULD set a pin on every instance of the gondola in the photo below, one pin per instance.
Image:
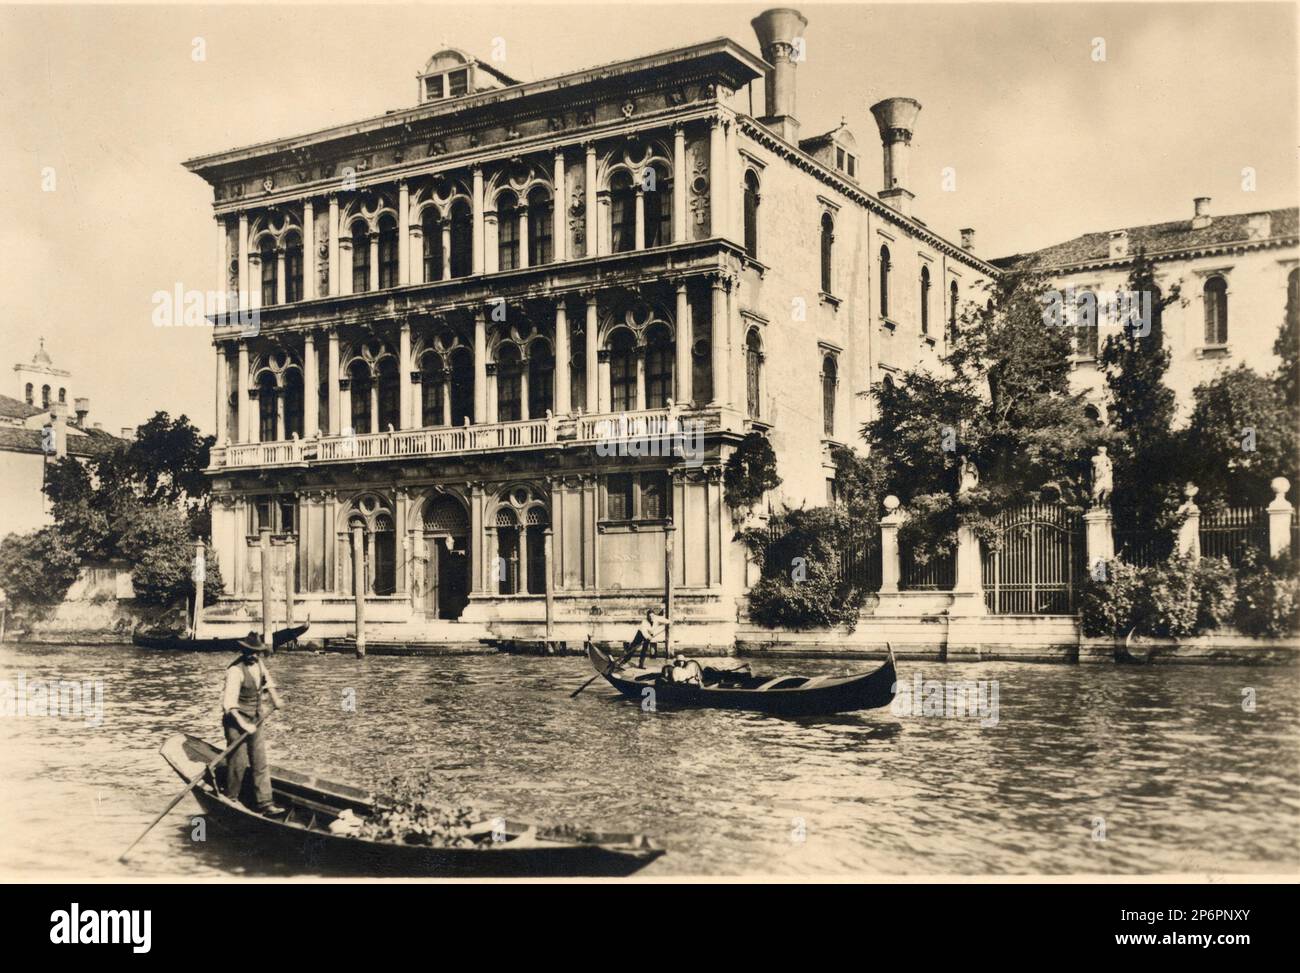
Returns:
(302, 837)
(182, 643)
(737, 689)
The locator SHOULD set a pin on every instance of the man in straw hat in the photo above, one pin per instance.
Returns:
(248, 698)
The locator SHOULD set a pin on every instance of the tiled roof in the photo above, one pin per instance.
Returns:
(20, 440)
(1162, 238)
(16, 408)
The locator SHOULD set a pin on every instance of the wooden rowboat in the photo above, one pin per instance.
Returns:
(732, 689)
(182, 643)
(302, 837)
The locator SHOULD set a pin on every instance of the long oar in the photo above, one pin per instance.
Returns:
(630, 653)
(193, 781)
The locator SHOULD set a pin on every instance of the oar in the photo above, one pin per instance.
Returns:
(574, 694)
(193, 781)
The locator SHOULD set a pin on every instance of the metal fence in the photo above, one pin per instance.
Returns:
(1230, 532)
(858, 566)
(1038, 562)
(1143, 548)
(937, 574)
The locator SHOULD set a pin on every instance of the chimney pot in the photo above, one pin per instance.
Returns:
(82, 407)
(128, 432)
(779, 30)
(896, 119)
(1259, 226)
(967, 238)
(1118, 244)
(1201, 217)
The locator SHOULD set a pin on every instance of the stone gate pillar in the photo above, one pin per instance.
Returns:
(1279, 518)
(1099, 536)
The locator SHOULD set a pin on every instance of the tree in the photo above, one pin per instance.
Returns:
(156, 540)
(860, 483)
(749, 474)
(1148, 472)
(1287, 348)
(37, 568)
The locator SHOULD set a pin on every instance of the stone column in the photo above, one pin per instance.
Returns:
(1099, 537)
(1279, 518)
(718, 188)
(242, 410)
(223, 283)
(968, 591)
(679, 183)
(374, 261)
(638, 239)
(255, 281)
(310, 386)
(1189, 530)
(279, 414)
(244, 302)
(281, 285)
(415, 249)
(682, 347)
(593, 246)
(603, 399)
(523, 236)
(332, 381)
(559, 226)
(734, 182)
(480, 367)
(718, 341)
(890, 566)
(308, 250)
(345, 266)
(640, 378)
(446, 249)
(561, 377)
(403, 235)
(477, 239)
(334, 245)
(491, 253)
(404, 376)
(223, 395)
(590, 364)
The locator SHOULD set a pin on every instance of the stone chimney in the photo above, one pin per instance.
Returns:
(896, 117)
(967, 238)
(1259, 226)
(128, 432)
(82, 407)
(58, 425)
(1201, 219)
(779, 31)
(1118, 244)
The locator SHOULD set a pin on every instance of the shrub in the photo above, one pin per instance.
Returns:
(1267, 597)
(37, 568)
(750, 472)
(1175, 599)
(157, 542)
(800, 586)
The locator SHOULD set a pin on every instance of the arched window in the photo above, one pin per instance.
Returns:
(462, 387)
(622, 212)
(388, 270)
(360, 257)
(30, 393)
(541, 379)
(658, 368)
(45, 396)
(830, 380)
(925, 300)
(1216, 311)
(360, 384)
(390, 412)
(431, 230)
(266, 395)
(269, 270)
(293, 404)
(622, 372)
(828, 247)
(507, 525)
(658, 191)
(293, 268)
(63, 395)
(541, 221)
(462, 239)
(535, 540)
(509, 367)
(885, 266)
(751, 213)
(753, 374)
(433, 380)
(379, 547)
(952, 311)
(507, 231)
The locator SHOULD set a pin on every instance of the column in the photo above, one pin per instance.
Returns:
(682, 346)
(254, 281)
(404, 376)
(890, 568)
(523, 392)
(638, 240)
(491, 255)
(562, 355)
(1099, 537)
(334, 245)
(679, 183)
(446, 249)
(403, 237)
(589, 206)
(374, 261)
(281, 288)
(332, 381)
(310, 387)
(1189, 530)
(718, 187)
(477, 239)
(480, 367)
(243, 262)
(415, 250)
(589, 360)
(374, 405)
(242, 424)
(223, 283)
(223, 395)
(523, 236)
(279, 414)
(968, 590)
(490, 393)
(731, 172)
(640, 378)
(559, 225)
(602, 381)
(308, 250)
(718, 342)
(1279, 517)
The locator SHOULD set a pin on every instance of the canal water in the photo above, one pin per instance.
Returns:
(1087, 769)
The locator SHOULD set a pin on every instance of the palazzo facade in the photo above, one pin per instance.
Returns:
(515, 332)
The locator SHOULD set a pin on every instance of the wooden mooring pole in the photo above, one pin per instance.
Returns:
(668, 591)
(359, 586)
(200, 574)
(264, 557)
(290, 553)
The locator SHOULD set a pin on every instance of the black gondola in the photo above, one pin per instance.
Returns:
(302, 837)
(733, 689)
(182, 643)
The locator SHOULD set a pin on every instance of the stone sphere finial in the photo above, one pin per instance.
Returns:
(1280, 485)
(891, 503)
(1191, 490)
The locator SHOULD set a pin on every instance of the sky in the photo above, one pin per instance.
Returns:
(1046, 141)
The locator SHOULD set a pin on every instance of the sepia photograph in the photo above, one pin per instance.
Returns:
(643, 443)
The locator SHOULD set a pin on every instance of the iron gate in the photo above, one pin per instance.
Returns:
(1038, 562)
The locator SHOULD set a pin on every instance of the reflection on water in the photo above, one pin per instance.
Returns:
(1164, 759)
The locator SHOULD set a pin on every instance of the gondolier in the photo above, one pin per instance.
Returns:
(650, 629)
(248, 698)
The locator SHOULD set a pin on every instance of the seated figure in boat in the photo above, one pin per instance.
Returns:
(685, 672)
(248, 698)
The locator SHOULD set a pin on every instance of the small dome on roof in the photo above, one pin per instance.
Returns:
(42, 357)
(447, 58)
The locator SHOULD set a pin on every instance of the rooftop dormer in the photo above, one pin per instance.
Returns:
(452, 73)
(836, 149)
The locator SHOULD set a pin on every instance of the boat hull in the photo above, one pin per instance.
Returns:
(179, 643)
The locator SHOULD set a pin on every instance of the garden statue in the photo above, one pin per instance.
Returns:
(1102, 478)
(968, 477)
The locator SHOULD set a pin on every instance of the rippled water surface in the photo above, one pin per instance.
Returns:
(1164, 760)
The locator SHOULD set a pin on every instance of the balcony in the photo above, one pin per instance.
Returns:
(615, 427)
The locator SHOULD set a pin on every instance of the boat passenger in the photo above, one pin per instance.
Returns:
(248, 698)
